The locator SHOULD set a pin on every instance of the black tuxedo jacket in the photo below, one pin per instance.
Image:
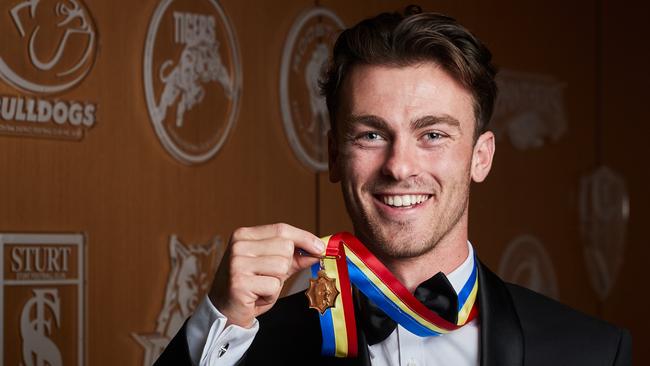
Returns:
(517, 327)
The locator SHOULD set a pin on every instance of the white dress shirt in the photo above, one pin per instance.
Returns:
(211, 343)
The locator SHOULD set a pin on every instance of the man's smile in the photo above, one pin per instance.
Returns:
(402, 201)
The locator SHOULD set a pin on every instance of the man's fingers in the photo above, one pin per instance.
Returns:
(266, 287)
(274, 266)
(264, 247)
(301, 238)
(261, 249)
(301, 262)
(255, 266)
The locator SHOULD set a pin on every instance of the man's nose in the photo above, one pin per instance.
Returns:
(401, 160)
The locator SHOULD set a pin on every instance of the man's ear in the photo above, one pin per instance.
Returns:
(333, 158)
(482, 156)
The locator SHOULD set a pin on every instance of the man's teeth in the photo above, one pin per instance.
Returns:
(405, 200)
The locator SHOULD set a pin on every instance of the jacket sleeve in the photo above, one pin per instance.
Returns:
(176, 352)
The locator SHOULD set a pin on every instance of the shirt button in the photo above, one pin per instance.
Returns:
(223, 350)
(412, 363)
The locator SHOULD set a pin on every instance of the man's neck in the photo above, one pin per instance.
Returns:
(445, 257)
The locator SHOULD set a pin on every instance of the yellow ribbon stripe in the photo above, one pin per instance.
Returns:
(338, 316)
(389, 293)
(463, 314)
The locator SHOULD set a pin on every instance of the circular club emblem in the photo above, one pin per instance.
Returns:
(526, 263)
(48, 46)
(192, 78)
(604, 214)
(304, 113)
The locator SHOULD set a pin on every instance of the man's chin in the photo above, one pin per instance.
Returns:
(403, 252)
(396, 246)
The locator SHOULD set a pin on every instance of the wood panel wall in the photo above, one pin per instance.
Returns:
(128, 195)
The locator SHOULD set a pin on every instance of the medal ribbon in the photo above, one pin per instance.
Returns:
(337, 323)
(355, 264)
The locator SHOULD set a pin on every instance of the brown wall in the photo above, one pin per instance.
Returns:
(128, 195)
(625, 101)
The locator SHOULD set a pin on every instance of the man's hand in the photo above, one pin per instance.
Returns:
(256, 264)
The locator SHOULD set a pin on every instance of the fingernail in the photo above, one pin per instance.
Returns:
(319, 246)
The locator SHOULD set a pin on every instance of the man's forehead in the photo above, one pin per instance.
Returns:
(423, 91)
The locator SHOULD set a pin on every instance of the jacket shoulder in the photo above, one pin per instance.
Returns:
(552, 328)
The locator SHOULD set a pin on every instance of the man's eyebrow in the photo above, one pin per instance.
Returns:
(368, 120)
(427, 121)
(379, 123)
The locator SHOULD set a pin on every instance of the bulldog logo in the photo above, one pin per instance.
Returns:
(304, 112)
(48, 47)
(192, 84)
(59, 39)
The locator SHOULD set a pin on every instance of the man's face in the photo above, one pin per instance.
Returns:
(405, 155)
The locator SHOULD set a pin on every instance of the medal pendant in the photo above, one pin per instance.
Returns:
(322, 292)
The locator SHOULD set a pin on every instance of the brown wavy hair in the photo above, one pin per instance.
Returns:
(403, 39)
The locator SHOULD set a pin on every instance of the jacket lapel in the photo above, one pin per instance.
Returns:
(501, 338)
(363, 357)
(502, 342)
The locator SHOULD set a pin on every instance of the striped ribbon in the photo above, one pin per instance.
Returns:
(355, 264)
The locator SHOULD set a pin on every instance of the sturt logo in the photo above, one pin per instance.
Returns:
(47, 47)
(42, 299)
(304, 112)
(38, 348)
(192, 84)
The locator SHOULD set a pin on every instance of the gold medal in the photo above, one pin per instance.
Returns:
(322, 292)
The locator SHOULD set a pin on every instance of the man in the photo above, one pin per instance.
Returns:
(409, 97)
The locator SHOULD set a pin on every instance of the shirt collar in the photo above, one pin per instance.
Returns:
(459, 276)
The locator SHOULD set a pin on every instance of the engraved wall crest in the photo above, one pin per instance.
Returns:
(43, 301)
(529, 109)
(190, 275)
(604, 214)
(192, 77)
(304, 112)
(527, 263)
(47, 47)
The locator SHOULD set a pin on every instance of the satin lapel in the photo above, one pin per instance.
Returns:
(363, 357)
(502, 342)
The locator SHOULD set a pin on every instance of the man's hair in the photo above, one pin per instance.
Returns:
(394, 39)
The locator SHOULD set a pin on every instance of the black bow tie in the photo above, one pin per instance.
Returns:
(436, 293)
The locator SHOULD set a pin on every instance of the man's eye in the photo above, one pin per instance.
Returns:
(371, 136)
(433, 135)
